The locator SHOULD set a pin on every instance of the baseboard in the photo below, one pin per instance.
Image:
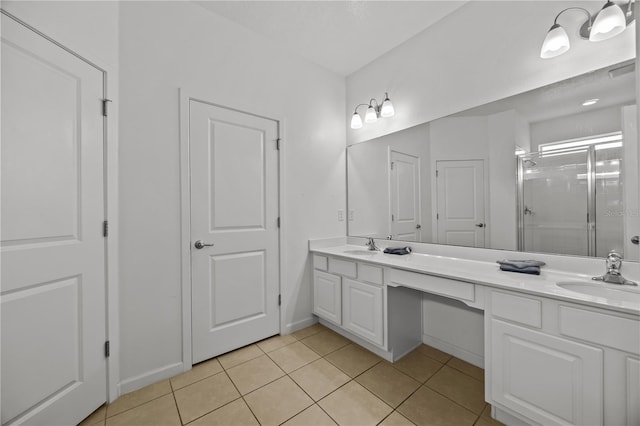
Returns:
(463, 354)
(149, 378)
(299, 325)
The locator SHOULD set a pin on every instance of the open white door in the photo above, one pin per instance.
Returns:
(234, 229)
(460, 186)
(53, 265)
(405, 197)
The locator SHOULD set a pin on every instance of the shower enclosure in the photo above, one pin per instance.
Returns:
(570, 199)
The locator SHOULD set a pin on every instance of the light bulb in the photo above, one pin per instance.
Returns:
(555, 43)
(371, 116)
(387, 108)
(356, 121)
(609, 22)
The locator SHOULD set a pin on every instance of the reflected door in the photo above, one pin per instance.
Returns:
(234, 213)
(460, 217)
(405, 197)
(53, 265)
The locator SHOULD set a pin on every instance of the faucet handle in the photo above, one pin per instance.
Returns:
(614, 260)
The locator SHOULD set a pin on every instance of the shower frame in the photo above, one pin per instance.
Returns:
(591, 199)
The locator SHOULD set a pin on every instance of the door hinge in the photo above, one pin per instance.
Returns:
(437, 216)
(392, 165)
(278, 143)
(436, 173)
(393, 218)
(105, 228)
(104, 106)
(107, 349)
(279, 299)
(278, 221)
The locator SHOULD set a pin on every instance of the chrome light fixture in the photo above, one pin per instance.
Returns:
(374, 111)
(610, 21)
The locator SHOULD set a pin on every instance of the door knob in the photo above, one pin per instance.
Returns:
(418, 226)
(480, 225)
(200, 244)
(635, 239)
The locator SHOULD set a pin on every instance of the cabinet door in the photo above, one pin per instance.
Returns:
(327, 295)
(552, 381)
(363, 310)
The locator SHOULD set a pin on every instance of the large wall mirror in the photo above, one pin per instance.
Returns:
(552, 170)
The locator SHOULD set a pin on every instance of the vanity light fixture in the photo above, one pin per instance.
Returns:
(610, 21)
(374, 111)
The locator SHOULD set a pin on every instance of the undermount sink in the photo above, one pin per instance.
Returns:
(361, 252)
(608, 291)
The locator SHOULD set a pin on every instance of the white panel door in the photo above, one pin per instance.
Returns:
(363, 312)
(460, 215)
(405, 197)
(53, 264)
(234, 207)
(550, 380)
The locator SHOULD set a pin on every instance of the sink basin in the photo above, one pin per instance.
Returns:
(361, 252)
(608, 291)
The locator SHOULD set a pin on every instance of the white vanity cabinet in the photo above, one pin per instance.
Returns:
(327, 296)
(557, 363)
(363, 310)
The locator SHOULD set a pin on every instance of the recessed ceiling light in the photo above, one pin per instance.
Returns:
(590, 102)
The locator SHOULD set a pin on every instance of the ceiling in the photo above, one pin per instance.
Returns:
(341, 36)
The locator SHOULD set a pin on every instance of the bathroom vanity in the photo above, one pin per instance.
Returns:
(559, 349)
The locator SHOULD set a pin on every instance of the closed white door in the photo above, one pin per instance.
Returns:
(460, 215)
(405, 197)
(53, 266)
(234, 215)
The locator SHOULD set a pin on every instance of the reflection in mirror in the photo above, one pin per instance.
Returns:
(543, 171)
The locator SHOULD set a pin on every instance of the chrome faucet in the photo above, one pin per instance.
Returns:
(372, 244)
(613, 275)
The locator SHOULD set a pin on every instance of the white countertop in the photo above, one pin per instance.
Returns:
(487, 273)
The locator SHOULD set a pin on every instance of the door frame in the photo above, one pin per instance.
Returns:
(185, 96)
(110, 194)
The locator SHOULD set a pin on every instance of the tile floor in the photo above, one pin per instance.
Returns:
(311, 377)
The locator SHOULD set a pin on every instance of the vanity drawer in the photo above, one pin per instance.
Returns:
(615, 332)
(320, 262)
(523, 310)
(432, 284)
(343, 267)
(369, 273)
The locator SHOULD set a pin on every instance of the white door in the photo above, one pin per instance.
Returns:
(460, 215)
(405, 197)
(53, 264)
(234, 207)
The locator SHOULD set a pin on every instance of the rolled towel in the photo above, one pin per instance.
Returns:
(398, 250)
(520, 264)
(533, 270)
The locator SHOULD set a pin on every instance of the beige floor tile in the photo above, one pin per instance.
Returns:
(293, 356)
(255, 373)
(459, 387)
(312, 416)
(352, 404)
(396, 419)
(325, 342)
(309, 331)
(353, 359)
(198, 372)
(276, 342)
(417, 366)
(278, 401)
(97, 417)
(433, 353)
(159, 412)
(239, 356)
(466, 368)
(388, 384)
(205, 396)
(139, 397)
(319, 378)
(426, 407)
(235, 413)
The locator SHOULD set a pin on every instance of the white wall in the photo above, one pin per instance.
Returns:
(484, 51)
(169, 45)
